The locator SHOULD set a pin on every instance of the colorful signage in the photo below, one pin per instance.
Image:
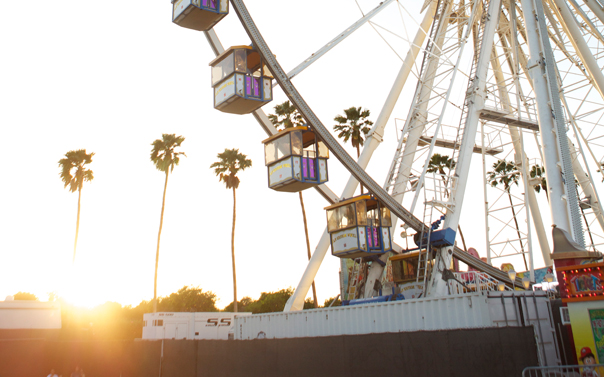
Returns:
(587, 322)
(344, 240)
(583, 282)
(386, 237)
(224, 91)
(224, 6)
(412, 290)
(280, 172)
(322, 170)
(596, 317)
(179, 7)
(268, 87)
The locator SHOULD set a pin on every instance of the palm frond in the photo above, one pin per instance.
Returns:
(230, 162)
(354, 126)
(73, 171)
(163, 152)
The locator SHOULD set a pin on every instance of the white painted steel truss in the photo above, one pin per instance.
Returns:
(527, 90)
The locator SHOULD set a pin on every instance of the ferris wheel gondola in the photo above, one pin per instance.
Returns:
(241, 80)
(199, 15)
(295, 160)
(359, 227)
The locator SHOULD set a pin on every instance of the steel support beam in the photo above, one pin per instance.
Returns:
(557, 160)
(474, 102)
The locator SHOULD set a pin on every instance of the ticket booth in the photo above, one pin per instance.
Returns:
(582, 289)
(241, 80)
(199, 15)
(359, 227)
(295, 160)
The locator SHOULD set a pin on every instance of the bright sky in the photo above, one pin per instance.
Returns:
(111, 77)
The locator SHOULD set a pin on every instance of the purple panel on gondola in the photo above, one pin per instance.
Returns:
(256, 87)
(312, 169)
(304, 169)
(252, 86)
(209, 4)
(373, 241)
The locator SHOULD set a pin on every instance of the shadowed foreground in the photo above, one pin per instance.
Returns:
(475, 352)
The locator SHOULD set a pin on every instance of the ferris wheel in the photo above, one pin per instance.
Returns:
(530, 115)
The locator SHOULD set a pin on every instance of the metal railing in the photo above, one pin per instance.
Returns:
(474, 281)
(595, 370)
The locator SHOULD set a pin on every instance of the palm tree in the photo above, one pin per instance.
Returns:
(354, 127)
(229, 163)
(438, 163)
(76, 160)
(506, 174)
(538, 171)
(165, 157)
(287, 116)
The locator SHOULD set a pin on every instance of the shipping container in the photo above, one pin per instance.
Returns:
(185, 325)
(451, 312)
(26, 314)
(474, 310)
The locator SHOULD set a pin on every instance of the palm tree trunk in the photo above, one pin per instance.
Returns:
(75, 243)
(233, 253)
(517, 230)
(314, 289)
(161, 223)
(463, 241)
(358, 156)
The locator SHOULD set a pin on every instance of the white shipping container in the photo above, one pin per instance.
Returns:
(475, 310)
(451, 312)
(26, 314)
(184, 325)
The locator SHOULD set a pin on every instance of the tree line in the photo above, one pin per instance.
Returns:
(112, 321)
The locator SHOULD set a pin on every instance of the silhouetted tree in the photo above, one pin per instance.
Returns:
(505, 173)
(230, 162)
(76, 161)
(25, 296)
(165, 157)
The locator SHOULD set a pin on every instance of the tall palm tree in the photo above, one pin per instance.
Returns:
(438, 163)
(354, 127)
(165, 157)
(230, 162)
(506, 174)
(76, 160)
(287, 116)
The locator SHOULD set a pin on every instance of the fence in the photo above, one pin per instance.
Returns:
(455, 353)
(473, 281)
(522, 308)
(596, 370)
